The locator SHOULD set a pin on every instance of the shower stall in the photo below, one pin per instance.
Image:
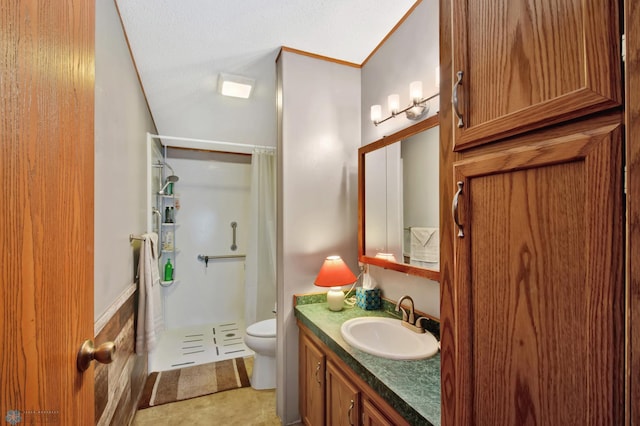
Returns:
(201, 204)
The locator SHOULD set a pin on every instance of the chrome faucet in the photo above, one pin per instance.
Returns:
(409, 319)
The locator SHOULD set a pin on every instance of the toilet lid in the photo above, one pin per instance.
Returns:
(266, 328)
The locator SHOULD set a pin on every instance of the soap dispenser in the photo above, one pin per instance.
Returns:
(168, 271)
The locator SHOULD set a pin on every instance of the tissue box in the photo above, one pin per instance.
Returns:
(368, 299)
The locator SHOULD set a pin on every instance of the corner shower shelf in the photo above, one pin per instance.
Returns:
(168, 283)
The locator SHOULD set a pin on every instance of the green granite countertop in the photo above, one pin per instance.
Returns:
(411, 387)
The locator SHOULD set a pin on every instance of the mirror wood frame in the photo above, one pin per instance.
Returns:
(381, 143)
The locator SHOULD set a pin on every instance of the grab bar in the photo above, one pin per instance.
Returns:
(234, 246)
(206, 258)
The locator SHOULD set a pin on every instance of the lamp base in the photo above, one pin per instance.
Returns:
(335, 298)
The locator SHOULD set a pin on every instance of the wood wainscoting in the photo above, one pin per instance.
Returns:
(118, 385)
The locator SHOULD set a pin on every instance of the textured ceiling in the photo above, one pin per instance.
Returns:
(180, 46)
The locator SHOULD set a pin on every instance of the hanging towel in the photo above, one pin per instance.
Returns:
(150, 319)
(425, 245)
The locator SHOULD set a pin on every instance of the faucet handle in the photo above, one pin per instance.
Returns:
(416, 325)
(418, 320)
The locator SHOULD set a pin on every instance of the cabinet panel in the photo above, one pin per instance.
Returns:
(312, 383)
(527, 64)
(371, 416)
(343, 399)
(539, 279)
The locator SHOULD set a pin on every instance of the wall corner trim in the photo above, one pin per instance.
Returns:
(316, 56)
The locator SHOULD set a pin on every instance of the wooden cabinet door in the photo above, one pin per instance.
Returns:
(527, 64)
(312, 383)
(343, 399)
(371, 416)
(539, 303)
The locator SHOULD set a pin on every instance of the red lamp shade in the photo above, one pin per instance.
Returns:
(334, 273)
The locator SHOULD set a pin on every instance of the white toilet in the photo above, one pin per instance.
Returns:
(261, 338)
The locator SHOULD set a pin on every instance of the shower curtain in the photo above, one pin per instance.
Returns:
(260, 274)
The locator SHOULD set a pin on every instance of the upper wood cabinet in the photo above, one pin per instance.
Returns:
(523, 65)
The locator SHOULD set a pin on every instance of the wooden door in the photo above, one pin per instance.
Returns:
(46, 231)
(527, 64)
(343, 398)
(539, 303)
(312, 383)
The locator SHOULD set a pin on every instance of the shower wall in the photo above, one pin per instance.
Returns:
(213, 191)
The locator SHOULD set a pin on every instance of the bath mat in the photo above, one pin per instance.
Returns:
(190, 382)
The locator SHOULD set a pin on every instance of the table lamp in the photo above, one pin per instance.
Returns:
(334, 273)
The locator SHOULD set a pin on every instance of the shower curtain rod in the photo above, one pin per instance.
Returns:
(212, 143)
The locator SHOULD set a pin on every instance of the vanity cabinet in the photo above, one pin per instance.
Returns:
(312, 382)
(532, 218)
(332, 394)
(371, 416)
(343, 398)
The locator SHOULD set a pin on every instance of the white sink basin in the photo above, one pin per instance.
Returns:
(388, 338)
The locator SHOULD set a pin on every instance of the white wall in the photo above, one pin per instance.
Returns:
(411, 53)
(213, 191)
(121, 122)
(319, 135)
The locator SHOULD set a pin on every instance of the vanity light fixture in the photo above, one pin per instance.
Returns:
(417, 110)
(335, 273)
(235, 86)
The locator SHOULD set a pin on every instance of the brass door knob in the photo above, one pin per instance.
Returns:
(87, 353)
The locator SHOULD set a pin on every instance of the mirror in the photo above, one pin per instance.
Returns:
(398, 207)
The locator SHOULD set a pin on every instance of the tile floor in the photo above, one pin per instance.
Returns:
(245, 406)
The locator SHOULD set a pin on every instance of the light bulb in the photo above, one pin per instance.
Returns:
(415, 91)
(394, 103)
(376, 113)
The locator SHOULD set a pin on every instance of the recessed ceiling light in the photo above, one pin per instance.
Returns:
(235, 85)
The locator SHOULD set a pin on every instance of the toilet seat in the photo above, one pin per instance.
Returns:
(266, 328)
